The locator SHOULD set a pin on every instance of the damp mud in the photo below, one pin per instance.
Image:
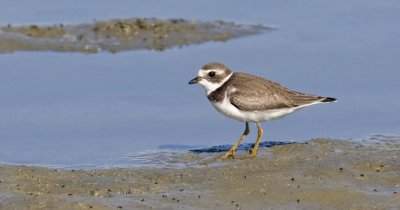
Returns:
(120, 35)
(319, 174)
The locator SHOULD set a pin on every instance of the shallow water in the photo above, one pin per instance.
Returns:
(69, 109)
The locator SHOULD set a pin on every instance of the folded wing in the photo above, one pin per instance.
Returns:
(262, 94)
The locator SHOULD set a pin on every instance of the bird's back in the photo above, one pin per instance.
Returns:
(251, 93)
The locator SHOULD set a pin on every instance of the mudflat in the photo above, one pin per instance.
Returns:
(120, 35)
(320, 174)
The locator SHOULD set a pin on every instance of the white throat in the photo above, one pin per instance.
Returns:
(210, 86)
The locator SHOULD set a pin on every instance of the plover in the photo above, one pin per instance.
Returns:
(250, 98)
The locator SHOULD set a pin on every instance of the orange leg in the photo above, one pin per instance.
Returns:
(231, 152)
(255, 148)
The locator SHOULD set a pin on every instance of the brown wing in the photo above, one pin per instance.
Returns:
(262, 94)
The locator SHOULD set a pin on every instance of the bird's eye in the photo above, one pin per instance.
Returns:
(211, 74)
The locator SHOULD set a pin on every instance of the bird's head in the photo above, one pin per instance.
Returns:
(211, 76)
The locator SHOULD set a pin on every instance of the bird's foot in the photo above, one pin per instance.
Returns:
(229, 155)
(252, 154)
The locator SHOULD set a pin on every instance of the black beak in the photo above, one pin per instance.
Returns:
(194, 81)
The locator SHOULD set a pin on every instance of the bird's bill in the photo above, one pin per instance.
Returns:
(194, 80)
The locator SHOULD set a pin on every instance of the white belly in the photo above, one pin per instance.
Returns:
(226, 108)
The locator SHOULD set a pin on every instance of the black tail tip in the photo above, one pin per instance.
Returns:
(329, 99)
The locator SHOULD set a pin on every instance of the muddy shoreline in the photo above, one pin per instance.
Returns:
(322, 174)
(120, 35)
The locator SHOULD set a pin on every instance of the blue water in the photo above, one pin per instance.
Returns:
(73, 109)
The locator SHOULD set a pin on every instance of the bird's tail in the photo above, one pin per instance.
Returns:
(329, 99)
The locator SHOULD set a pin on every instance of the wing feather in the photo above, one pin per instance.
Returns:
(261, 94)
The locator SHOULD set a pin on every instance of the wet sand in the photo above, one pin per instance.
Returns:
(322, 174)
(120, 35)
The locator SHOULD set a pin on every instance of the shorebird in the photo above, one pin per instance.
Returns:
(250, 98)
